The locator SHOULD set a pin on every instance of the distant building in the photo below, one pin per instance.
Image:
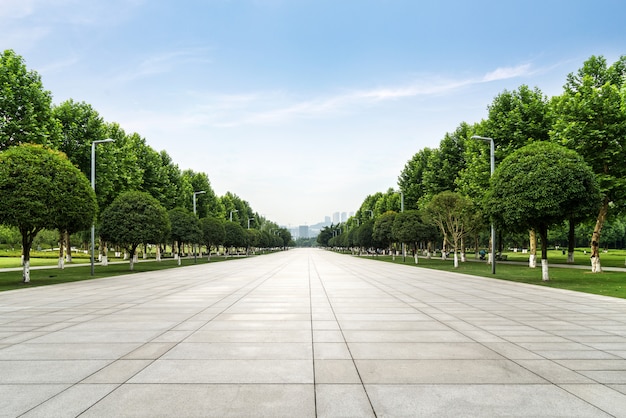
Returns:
(327, 220)
(303, 231)
(336, 218)
(344, 216)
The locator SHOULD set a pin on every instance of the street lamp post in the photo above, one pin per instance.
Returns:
(195, 256)
(492, 159)
(93, 186)
(231, 214)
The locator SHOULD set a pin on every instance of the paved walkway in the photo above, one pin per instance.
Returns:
(309, 333)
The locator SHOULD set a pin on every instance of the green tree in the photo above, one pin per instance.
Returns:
(212, 233)
(382, 232)
(365, 239)
(184, 229)
(452, 213)
(591, 119)
(517, 118)
(234, 235)
(134, 218)
(538, 186)
(409, 228)
(25, 107)
(80, 126)
(40, 188)
(411, 179)
(445, 163)
(253, 237)
(207, 204)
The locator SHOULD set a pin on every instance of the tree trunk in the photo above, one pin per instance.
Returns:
(158, 252)
(571, 242)
(532, 258)
(476, 250)
(463, 259)
(444, 248)
(68, 248)
(61, 263)
(595, 238)
(543, 234)
(456, 256)
(103, 253)
(145, 251)
(27, 242)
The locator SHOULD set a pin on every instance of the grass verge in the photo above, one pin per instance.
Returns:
(607, 283)
(42, 277)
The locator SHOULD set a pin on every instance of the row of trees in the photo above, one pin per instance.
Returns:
(576, 174)
(27, 116)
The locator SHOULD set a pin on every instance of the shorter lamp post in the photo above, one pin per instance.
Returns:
(493, 229)
(195, 256)
(231, 214)
(93, 186)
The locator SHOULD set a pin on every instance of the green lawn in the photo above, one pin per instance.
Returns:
(607, 283)
(42, 277)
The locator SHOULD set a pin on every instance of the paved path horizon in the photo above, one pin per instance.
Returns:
(309, 333)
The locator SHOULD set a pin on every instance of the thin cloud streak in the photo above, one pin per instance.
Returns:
(253, 109)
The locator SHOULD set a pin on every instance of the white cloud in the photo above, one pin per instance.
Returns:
(271, 108)
(504, 73)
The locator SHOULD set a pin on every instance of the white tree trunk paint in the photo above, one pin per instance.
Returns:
(26, 272)
(158, 253)
(105, 260)
(416, 259)
(544, 270)
(463, 257)
(61, 263)
(532, 261)
(68, 248)
(570, 258)
(595, 265)
(456, 259)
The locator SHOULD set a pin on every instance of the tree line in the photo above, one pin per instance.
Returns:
(45, 163)
(558, 166)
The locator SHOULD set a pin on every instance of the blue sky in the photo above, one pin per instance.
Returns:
(303, 107)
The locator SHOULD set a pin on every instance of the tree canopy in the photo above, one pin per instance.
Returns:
(538, 186)
(40, 188)
(134, 218)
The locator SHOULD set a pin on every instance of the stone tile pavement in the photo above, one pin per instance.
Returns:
(309, 333)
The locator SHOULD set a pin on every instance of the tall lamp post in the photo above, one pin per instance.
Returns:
(195, 256)
(250, 219)
(231, 214)
(93, 186)
(492, 159)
